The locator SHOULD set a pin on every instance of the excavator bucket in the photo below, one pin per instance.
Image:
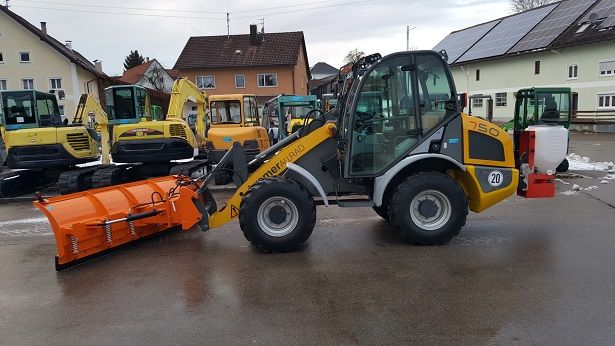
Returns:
(91, 223)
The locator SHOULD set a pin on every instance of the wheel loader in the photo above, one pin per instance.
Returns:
(409, 153)
(39, 144)
(234, 118)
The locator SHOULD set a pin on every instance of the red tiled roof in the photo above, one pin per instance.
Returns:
(71, 54)
(132, 76)
(281, 48)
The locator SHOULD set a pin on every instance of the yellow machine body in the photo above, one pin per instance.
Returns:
(235, 118)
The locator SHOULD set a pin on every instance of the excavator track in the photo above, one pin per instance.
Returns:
(78, 179)
(20, 182)
(115, 175)
(199, 167)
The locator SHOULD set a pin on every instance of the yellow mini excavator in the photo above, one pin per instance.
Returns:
(140, 145)
(397, 142)
(39, 144)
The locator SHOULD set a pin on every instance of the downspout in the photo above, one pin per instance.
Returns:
(467, 79)
(292, 71)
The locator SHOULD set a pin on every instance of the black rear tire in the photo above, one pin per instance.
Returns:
(383, 211)
(277, 215)
(428, 208)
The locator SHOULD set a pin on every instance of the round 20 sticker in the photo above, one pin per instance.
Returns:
(495, 178)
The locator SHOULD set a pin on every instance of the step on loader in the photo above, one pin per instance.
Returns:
(397, 142)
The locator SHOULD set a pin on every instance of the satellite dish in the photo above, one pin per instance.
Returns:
(593, 18)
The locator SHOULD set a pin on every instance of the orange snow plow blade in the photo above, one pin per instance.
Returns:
(90, 223)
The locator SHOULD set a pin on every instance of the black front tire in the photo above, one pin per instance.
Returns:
(222, 177)
(563, 167)
(301, 214)
(432, 186)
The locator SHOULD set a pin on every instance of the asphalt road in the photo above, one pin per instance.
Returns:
(522, 272)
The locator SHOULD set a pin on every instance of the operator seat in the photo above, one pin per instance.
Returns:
(551, 112)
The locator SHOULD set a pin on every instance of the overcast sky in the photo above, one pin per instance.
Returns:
(108, 30)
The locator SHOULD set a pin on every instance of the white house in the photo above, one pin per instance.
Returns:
(565, 44)
(31, 59)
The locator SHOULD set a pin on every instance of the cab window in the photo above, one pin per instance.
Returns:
(120, 103)
(384, 122)
(225, 112)
(435, 91)
(18, 108)
(251, 112)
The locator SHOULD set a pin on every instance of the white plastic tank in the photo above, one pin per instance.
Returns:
(551, 146)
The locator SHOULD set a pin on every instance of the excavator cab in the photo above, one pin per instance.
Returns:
(127, 104)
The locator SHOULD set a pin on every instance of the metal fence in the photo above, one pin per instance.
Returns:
(593, 117)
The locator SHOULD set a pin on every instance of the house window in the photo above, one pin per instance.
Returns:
(606, 101)
(55, 83)
(24, 56)
(27, 84)
(607, 68)
(1, 58)
(267, 80)
(477, 103)
(501, 99)
(537, 67)
(573, 71)
(3, 84)
(240, 81)
(206, 82)
(478, 75)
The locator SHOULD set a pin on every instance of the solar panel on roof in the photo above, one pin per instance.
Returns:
(553, 25)
(506, 34)
(459, 42)
(604, 8)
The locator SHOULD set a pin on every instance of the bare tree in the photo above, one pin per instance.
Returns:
(156, 78)
(524, 5)
(354, 56)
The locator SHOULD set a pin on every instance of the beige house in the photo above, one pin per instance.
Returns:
(31, 59)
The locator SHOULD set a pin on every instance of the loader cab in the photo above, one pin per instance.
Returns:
(233, 110)
(127, 104)
(390, 105)
(27, 109)
(289, 112)
(542, 106)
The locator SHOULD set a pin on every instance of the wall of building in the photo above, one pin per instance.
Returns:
(513, 73)
(45, 63)
(301, 76)
(225, 80)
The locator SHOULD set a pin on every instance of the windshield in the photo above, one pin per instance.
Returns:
(46, 104)
(18, 108)
(553, 107)
(120, 103)
(225, 112)
(297, 110)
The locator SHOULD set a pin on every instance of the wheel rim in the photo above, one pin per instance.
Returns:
(430, 210)
(278, 216)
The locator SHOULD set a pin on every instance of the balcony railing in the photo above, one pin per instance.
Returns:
(593, 117)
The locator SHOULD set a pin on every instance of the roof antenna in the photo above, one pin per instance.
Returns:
(228, 26)
(7, 3)
(593, 18)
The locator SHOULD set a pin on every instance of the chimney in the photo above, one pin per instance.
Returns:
(98, 66)
(44, 27)
(147, 59)
(253, 35)
(69, 45)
